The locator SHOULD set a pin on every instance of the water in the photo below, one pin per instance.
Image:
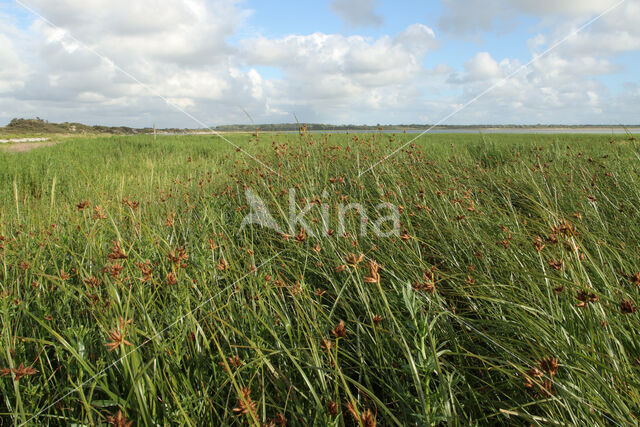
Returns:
(544, 131)
(592, 131)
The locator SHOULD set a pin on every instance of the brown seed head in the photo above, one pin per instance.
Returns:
(119, 420)
(117, 252)
(627, 307)
(245, 405)
(339, 331)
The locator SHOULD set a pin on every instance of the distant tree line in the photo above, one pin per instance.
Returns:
(39, 125)
(293, 127)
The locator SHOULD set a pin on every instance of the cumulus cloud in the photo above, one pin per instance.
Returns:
(190, 31)
(614, 33)
(549, 70)
(178, 49)
(182, 51)
(563, 85)
(13, 70)
(552, 89)
(357, 13)
(331, 69)
(479, 68)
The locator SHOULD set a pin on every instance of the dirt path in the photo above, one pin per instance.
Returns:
(26, 146)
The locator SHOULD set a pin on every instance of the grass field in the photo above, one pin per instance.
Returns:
(130, 291)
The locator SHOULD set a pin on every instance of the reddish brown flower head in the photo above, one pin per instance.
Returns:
(117, 252)
(532, 374)
(537, 244)
(92, 282)
(373, 276)
(352, 411)
(171, 279)
(98, 213)
(234, 362)
(566, 228)
(146, 270)
(301, 236)
(19, 372)
(366, 418)
(427, 286)
(280, 420)
(353, 260)
(223, 266)
(549, 365)
(627, 307)
(246, 406)
(117, 336)
(133, 204)
(114, 270)
(585, 298)
(179, 257)
(556, 264)
(119, 420)
(332, 407)
(339, 331)
(169, 222)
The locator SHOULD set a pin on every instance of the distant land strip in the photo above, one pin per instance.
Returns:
(40, 126)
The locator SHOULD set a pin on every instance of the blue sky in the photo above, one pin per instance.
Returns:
(333, 61)
(287, 17)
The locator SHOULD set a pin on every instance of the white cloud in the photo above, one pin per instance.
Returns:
(13, 70)
(355, 60)
(563, 85)
(190, 31)
(418, 38)
(178, 49)
(614, 33)
(551, 90)
(330, 71)
(357, 13)
(181, 50)
(481, 67)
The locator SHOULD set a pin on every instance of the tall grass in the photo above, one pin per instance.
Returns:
(517, 252)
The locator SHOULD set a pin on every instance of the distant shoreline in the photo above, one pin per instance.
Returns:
(42, 127)
(489, 130)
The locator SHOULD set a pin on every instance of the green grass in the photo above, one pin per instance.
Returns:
(206, 340)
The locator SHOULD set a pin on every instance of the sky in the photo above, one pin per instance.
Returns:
(196, 63)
